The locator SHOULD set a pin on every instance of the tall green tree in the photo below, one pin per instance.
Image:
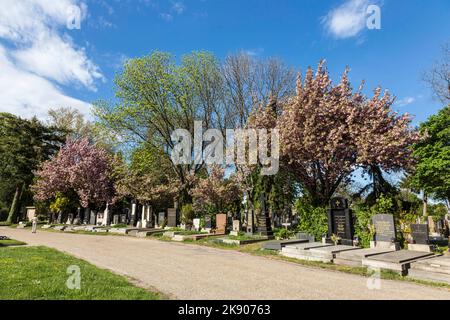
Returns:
(432, 174)
(156, 96)
(24, 144)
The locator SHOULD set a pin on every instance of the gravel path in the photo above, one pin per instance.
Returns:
(193, 272)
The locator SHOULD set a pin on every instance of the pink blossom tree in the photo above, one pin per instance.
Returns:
(79, 167)
(214, 193)
(327, 131)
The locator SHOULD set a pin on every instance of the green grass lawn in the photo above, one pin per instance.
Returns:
(40, 273)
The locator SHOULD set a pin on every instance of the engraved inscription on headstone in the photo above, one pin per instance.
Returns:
(419, 233)
(384, 227)
(340, 220)
(172, 218)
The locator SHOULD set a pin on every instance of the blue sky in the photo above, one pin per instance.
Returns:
(44, 64)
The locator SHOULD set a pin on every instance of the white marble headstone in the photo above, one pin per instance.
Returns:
(196, 224)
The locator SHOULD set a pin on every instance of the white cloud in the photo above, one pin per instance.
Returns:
(56, 58)
(254, 52)
(347, 20)
(26, 94)
(37, 55)
(405, 101)
(178, 7)
(166, 16)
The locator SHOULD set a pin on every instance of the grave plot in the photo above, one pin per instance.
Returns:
(432, 269)
(354, 258)
(397, 261)
(143, 232)
(327, 254)
(279, 244)
(301, 251)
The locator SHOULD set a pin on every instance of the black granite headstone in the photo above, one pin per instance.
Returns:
(384, 227)
(419, 233)
(87, 215)
(340, 220)
(208, 222)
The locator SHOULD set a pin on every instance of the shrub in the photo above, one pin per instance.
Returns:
(313, 220)
(363, 224)
(187, 214)
(283, 233)
(364, 228)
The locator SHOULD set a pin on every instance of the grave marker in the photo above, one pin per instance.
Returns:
(340, 220)
(172, 217)
(384, 227)
(208, 222)
(196, 224)
(419, 233)
(161, 218)
(221, 223)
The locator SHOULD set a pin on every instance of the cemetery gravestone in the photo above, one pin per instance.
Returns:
(208, 222)
(221, 223)
(133, 213)
(236, 225)
(230, 219)
(250, 222)
(123, 218)
(100, 217)
(93, 218)
(116, 219)
(172, 217)
(87, 216)
(340, 221)
(263, 219)
(419, 233)
(161, 219)
(70, 218)
(384, 227)
(196, 224)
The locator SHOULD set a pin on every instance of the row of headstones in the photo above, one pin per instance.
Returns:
(340, 223)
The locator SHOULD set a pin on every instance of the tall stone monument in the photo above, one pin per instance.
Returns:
(263, 219)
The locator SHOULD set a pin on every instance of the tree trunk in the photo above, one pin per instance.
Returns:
(425, 205)
(12, 216)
